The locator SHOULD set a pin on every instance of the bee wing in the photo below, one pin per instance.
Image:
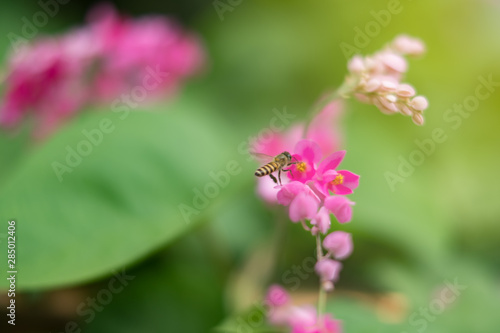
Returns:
(263, 158)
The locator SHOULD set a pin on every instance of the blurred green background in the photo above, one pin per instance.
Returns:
(118, 210)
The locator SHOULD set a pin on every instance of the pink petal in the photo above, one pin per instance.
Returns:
(322, 220)
(339, 243)
(340, 207)
(419, 103)
(288, 192)
(309, 150)
(323, 128)
(351, 180)
(268, 190)
(331, 162)
(304, 206)
(356, 64)
(328, 269)
(394, 61)
(277, 296)
(341, 189)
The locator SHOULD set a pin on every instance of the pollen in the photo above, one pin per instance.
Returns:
(339, 179)
(301, 167)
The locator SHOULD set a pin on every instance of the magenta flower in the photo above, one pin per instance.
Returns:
(54, 78)
(306, 154)
(339, 244)
(339, 182)
(340, 207)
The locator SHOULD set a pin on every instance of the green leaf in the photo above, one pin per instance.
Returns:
(118, 203)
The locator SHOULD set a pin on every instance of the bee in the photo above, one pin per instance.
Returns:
(278, 163)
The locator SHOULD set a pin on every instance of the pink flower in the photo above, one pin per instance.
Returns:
(339, 182)
(277, 142)
(307, 153)
(305, 320)
(289, 191)
(339, 243)
(324, 128)
(328, 269)
(301, 319)
(322, 220)
(340, 206)
(277, 295)
(376, 79)
(303, 207)
(54, 78)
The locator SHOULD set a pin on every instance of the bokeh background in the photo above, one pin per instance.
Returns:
(118, 210)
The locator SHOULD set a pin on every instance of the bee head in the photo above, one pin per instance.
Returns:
(287, 154)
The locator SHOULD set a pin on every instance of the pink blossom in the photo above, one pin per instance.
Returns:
(54, 78)
(405, 44)
(328, 269)
(305, 320)
(339, 243)
(340, 206)
(304, 206)
(277, 295)
(300, 319)
(322, 220)
(339, 182)
(278, 142)
(376, 79)
(289, 191)
(324, 128)
(307, 153)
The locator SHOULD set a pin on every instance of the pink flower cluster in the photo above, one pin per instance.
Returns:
(55, 77)
(317, 188)
(323, 130)
(376, 79)
(301, 319)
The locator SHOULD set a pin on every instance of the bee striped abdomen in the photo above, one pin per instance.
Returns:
(267, 169)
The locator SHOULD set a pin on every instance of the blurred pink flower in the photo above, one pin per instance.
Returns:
(339, 243)
(324, 128)
(340, 206)
(53, 78)
(300, 319)
(328, 271)
(321, 221)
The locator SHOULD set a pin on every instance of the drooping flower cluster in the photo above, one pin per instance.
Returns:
(301, 319)
(376, 79)
(339, 246)
(55, 77)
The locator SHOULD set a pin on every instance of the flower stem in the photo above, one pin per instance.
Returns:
(322, 292)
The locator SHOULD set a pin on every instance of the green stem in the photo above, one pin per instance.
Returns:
(322, 292)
